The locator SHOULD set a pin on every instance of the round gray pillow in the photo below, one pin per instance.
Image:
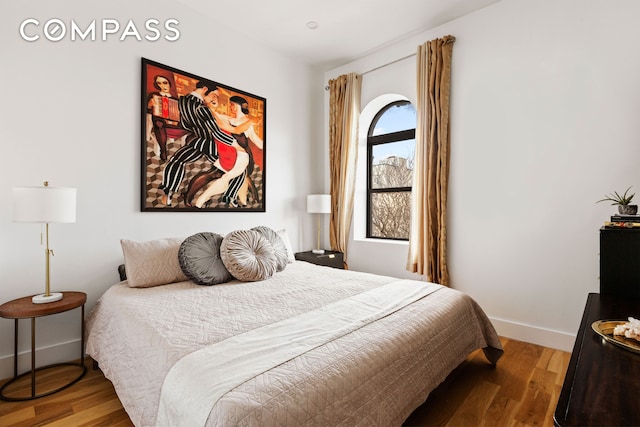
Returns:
(279, 248)
(199, 257)
(248, 255)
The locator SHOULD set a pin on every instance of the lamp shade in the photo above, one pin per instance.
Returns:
(44, 204)
(319, 203)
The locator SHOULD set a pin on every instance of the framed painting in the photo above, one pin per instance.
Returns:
(203, 144)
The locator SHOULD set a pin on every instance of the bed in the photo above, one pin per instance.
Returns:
(310, 345)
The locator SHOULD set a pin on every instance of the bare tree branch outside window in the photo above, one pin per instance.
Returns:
(391, 211)
(390, 150)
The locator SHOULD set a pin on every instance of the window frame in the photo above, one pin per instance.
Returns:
(376, 140)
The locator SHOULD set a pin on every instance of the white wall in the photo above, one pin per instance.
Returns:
(544, 104)
(70, 114)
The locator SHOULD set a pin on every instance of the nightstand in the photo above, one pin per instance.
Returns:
(23, 308)
(328, 258)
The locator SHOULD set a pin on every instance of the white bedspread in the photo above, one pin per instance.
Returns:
(376, 374)
(244, 356)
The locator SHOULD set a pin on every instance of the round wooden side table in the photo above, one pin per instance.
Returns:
(23, 308)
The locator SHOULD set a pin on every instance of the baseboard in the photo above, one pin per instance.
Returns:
(544, 337)
(62, 352)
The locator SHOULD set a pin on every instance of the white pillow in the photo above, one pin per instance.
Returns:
(287, 244)
(152, 263)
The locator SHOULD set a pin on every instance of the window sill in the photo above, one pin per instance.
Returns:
(382, 241)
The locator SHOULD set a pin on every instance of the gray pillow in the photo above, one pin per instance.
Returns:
(248, 255)
(199, 258)
(279, 248)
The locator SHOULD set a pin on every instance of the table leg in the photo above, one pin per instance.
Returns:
(82, 336)
(33, 357)
(15, 349)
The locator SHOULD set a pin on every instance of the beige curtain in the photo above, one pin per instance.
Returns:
(428, 239)
(344, 111)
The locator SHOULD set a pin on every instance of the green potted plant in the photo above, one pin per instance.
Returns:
(623, 201)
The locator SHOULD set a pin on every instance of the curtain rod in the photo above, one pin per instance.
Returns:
(388, 63)
(447, 40)
(381, 66)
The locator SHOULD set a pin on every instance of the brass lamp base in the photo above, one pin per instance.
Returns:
(44, 298)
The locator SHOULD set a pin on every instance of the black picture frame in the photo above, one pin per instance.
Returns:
(203, 144)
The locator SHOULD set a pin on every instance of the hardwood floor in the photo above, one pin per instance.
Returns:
(90, 402)
(522, 390)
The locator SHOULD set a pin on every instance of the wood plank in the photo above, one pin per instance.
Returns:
(472, 410)
(537, 400)
(522, 358)
(89, 415)
(501, 411)
(20, 415)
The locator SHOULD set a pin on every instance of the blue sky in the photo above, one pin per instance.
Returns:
(395, 119)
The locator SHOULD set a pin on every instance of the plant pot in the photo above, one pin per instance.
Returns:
(627, 209)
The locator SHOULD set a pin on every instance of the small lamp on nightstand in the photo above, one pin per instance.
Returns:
(319, 204)
(45, 205)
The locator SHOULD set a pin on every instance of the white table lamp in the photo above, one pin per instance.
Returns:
(45, 205)
(319, 204)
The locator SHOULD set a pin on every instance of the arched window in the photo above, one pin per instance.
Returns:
(390, 159)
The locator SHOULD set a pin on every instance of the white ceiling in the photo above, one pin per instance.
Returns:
(347, 29)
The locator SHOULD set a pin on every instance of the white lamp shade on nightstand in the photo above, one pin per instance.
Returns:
(45, 205)
(319, 204)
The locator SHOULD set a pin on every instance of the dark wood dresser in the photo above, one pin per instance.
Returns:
(602, 384)
(620, 262)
